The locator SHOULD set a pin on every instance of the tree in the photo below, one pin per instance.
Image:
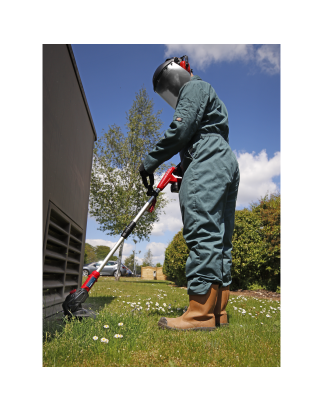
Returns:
(148, 259)
(158, 265)
(117, 193)
(89, 254)
(129, 262)
(102, 251)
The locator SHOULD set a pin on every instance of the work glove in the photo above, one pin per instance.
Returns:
(144, 174)
(178, 171)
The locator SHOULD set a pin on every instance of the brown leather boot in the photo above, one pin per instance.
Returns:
(199, 315)
(221, 317)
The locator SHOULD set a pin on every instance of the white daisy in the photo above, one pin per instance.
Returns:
(120, 324)
(106, 326)
(95, 338)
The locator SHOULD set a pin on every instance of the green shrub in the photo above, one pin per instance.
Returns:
(256, 248)
(175, 259)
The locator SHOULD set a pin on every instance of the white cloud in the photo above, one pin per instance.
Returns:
(172, 219)
(158, 251)
(267, 56)
(256, 174)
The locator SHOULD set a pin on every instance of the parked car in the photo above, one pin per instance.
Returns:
(110, 268)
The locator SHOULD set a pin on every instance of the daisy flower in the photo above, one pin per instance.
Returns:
(120, 324)
(106, 326)
(95, 338)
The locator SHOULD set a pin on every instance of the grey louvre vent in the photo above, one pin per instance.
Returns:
(62, 259)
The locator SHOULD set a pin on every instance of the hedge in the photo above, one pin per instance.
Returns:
(256, 248)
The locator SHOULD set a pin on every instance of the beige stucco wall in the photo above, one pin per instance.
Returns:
(148, 273)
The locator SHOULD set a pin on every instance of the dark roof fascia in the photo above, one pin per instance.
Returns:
(70, 50)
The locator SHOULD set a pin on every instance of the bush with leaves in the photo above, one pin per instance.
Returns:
(175, 260)
(256, 248)
(268, 210)
(248, 250)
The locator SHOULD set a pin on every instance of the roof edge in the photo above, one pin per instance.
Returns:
(70, 50)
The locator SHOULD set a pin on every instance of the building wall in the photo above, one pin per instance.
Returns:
(148, 273)
(68, 141)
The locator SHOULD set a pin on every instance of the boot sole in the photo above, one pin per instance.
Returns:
(164, 326)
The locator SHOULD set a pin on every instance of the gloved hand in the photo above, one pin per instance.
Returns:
(144, 174)
(178, 170)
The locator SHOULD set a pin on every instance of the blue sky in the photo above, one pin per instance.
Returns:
(245, 77)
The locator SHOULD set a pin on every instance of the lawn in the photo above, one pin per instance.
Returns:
(251, 340)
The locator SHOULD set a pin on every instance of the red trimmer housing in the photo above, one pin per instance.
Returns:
(168, 178)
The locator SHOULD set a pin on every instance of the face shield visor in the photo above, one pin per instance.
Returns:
(168, 79)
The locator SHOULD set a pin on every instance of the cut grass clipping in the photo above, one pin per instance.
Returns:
(125, 332)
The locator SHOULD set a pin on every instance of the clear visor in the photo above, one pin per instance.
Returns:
(171, 81)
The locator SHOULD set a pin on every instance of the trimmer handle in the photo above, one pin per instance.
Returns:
(168, 178)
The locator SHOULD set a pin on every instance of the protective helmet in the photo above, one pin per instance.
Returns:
(169, 78)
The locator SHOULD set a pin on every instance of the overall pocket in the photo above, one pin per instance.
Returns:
(191, 153)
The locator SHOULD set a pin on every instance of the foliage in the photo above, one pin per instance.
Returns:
(268, 209)
(129, 261)
(89, 254)
(158, 265)
(248, 249)
(97, 253)
(101, 252)
(175, 260)
(256, 245)
(117, 193)
(148, 259)
(256, 248)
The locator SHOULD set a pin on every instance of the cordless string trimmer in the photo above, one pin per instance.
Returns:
(72, 305)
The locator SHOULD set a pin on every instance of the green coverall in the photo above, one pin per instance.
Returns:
(208, 193)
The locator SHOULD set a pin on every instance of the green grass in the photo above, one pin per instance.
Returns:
(249, 340)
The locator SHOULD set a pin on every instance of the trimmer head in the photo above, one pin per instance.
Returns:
(84, 313)
(72, 305)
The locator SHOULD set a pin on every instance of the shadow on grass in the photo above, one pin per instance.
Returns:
(153, 282)
(57, 323)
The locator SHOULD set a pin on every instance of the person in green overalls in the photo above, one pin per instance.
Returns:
(199, 132)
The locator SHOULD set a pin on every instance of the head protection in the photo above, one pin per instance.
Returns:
(170, 77)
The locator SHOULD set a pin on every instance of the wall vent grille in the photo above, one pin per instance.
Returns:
(62, 257)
